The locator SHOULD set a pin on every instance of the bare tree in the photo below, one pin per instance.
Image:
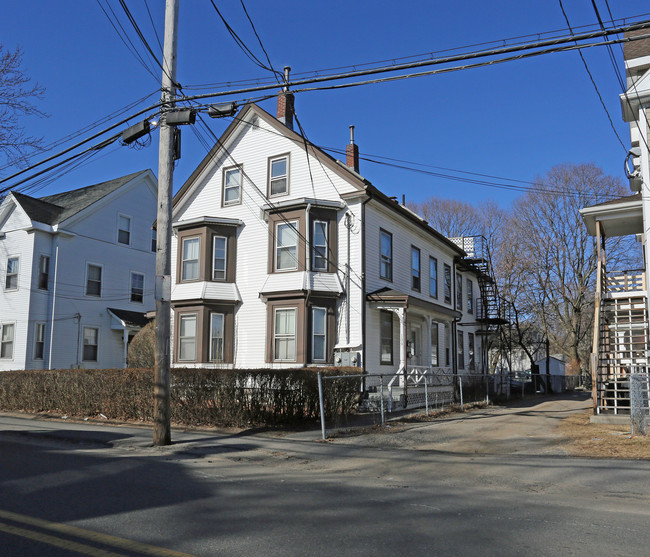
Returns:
(17, 95)
(547, 261)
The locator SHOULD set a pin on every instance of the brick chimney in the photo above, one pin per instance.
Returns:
(285, 102)
(352, 152)
(636, 49)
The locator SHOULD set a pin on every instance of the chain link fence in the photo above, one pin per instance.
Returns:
(383, 396)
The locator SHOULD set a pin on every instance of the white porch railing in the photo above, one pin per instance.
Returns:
(418, 376)
(625, 281)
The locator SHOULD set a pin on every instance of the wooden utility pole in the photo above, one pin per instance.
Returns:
(162, 429)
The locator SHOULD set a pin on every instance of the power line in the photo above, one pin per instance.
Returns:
(593, 82)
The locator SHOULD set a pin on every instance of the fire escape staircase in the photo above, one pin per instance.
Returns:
(620, 345)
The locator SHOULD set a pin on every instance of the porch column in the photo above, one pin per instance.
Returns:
(401, 313)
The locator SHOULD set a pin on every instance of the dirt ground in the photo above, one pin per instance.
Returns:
(535, 426)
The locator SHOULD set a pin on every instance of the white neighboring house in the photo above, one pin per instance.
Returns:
(283, 256)
(621, 341)
(77, 271)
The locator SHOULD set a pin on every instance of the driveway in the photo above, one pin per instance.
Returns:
(527, 427)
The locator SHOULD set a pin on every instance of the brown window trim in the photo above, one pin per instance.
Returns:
(206, 234)
(268, 175)
(202, 312)
(298, 301)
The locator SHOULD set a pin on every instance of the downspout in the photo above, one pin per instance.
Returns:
(363, 279)
(348, 225)
(56, 271)
(307, 242)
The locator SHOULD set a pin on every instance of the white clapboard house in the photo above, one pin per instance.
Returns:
(283, 256)
(77, 271)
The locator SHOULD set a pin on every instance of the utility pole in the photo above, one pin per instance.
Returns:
(162, 428)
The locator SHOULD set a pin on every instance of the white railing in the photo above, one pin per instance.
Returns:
(625, 281)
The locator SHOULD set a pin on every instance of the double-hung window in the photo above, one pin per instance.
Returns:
(7, 341)
(434, 344)
(91, 335)
(319, 334)
(470, 296)
(386, 337)
(461, 350)
(447, 284)
(216, 337)
(286, 246)
(232, 186)
(319, 246)
(43, 272)
(93, 280)
(284, 335)
(124, 230)
(433, 277)
(11, 278)
(219, 246)
(187, 338)
(190, 262)
(415, 268)
(470, 351)
(459, 292)
(278, 176)
(386, 257)
(39, 341)
(137, 287)
(154, 240)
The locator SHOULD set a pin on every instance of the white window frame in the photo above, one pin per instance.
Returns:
(198, 258)
(434, 333)
(43, 257)
(226, 187)
(214, 338)
(285, 336)
(471, 352)
(101, 279)
(448, 284)
(182, 317)
(284, 176)
(294, 224)
(15, 274)
(470, 296)
(129, 231)
(460, 349)
(324, 246)
(433, 278)
(39, 326)
(96, 345)
(225, 257)
(131, 289)
(459, 292)
(385, 260)
(7, 341)
(416, 271)
(154, 240)
(322, 335)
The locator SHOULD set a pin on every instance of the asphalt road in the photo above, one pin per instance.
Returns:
(99, 490)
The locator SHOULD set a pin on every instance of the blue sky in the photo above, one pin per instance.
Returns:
(514, 120)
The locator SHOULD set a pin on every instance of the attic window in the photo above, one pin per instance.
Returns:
(124, 230)
(278, 176)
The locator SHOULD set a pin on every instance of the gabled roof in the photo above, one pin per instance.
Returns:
(75, 201)
(38, 210)
(242, 120)
(363, 186)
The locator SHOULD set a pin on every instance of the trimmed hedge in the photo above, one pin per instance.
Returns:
(206, 397)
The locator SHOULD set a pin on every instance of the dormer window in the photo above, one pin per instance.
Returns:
(124, 230)
(232, 186)
(279, 176)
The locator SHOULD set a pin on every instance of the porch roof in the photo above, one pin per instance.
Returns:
(618, 217)
(390, 297)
